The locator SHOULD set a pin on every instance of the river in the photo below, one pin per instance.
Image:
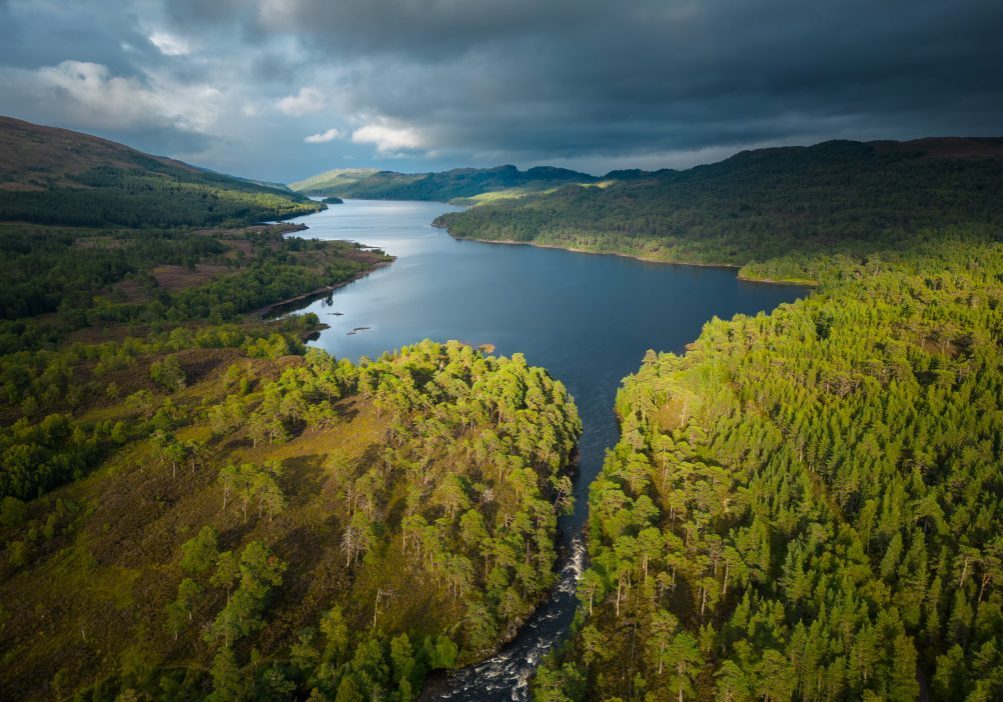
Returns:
(587, 318)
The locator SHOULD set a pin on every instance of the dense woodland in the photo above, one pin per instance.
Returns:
(255, 523)
(152, 198)
(776, 212)
(808, 505)
(457, 184)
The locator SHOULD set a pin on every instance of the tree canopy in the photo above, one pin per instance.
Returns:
(291, 526)
(806, 505)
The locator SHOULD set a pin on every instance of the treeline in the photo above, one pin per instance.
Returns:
(256, 286)
(320, 529)
(44, 267)
(808, 505)
(771, 208)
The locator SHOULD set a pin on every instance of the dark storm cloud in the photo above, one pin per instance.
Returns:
(574, 78)
(425, 30)
(96, 67)
(420, 85)
(41, 35)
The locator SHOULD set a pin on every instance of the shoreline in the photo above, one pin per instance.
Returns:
(646, 259)
(270, 309)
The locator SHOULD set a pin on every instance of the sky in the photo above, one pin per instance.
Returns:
(282, 89)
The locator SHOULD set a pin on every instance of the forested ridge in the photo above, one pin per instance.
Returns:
(56, 176)
(807, 504)
(777, 212)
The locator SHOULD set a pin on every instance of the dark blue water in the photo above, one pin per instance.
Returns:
(588, 319)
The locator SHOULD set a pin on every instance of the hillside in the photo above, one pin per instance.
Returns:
(329, 181)
(459, 183)
(780, 205)
(55, 281)
(57, 176)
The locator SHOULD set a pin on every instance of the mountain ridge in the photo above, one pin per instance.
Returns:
(456, 183)
(466, 185)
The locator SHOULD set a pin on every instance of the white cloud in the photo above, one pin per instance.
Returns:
(89, 95)
(389, 139)
(169, 44)
(307, 100)
(323, 137)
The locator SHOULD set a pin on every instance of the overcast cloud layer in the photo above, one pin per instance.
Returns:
(282, 89)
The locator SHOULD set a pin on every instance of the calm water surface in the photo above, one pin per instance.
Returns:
(588, 319)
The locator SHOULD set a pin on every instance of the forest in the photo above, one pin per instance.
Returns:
(251, 520)
(111, 196)
(808, 505)
(779, 213)
(60, 280)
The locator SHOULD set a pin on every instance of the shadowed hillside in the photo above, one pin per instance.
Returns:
(57, 176)
(118, 240)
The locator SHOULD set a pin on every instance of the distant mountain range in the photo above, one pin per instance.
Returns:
(459, 183)
(483, 185)
(57, 176)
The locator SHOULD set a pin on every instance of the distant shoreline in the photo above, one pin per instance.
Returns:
(646, 259)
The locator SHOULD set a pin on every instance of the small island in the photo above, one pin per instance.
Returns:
(333, 200)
